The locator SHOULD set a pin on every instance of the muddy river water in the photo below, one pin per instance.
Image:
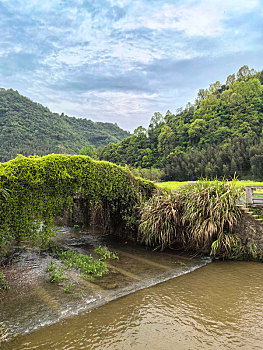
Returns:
(149, 300)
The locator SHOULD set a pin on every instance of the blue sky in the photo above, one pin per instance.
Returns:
(122, 60)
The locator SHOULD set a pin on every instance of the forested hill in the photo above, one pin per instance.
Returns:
(29, 128)
(219, 134)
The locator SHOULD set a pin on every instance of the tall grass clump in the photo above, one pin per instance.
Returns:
(160, 220)
(210, 214)
(196, 216)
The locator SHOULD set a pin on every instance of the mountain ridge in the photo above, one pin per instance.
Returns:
(27, 128)
(220, 134)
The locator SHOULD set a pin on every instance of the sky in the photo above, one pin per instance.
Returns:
(120, 61)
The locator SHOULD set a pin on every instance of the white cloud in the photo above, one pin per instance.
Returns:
(10, 49)
(236, 6)
(128, 110)
(203, 18)
(193, 21)
(29, 5)
(125, 51)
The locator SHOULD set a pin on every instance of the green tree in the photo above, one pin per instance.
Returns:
(88, 150)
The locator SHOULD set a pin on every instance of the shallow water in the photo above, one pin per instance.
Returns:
(218, 306)
(33, 302)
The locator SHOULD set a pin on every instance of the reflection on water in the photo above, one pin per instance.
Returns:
(216, 307)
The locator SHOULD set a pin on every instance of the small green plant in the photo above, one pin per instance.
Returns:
(253, 250)
(105, 253)
(3, 282)
(68, 287)
(51, 267)
(57, 275)
(86, 264)
(76, 227)
(87, 277)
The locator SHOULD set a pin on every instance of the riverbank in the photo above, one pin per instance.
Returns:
(33, 302)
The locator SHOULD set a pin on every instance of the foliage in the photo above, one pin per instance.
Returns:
(194, 216)
(209, 210)
(88, 150)
(160, 220)
(257, 212)
(253, 250)
(3, 193)
(51, 267)
(3, 282)
(68, 287)
(152, 174)
(57, 275)
(42, 187)
(29, 128)
(239, 155)
(227, 245)
(86, 264)
(219, 135)
(105, 253)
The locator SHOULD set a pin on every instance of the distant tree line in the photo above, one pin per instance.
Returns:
(220, 134)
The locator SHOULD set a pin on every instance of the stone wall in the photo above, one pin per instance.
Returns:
(250, 230)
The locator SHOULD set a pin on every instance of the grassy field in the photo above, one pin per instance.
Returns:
(173, 185)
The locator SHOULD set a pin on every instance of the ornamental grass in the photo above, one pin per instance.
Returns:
(195, 216)
(160, 220)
